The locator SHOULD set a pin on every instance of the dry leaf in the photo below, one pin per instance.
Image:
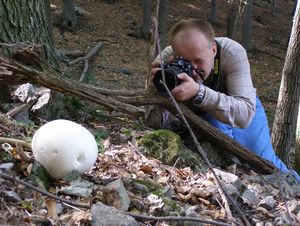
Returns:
(146, 169)
(51, 207)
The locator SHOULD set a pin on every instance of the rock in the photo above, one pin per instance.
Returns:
(115, 194)
(250, 197)
(166, 146)
(103, 215)
(79, 188)
(268, 203)
(229, 178)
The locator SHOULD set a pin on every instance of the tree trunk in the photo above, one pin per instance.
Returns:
(297, 144)
(147, 12)
(274, 8)
(288, 100)
(232, 18)
(247, 26)
(163, 22)
(68, 17)
(27, 22)
(213, 12)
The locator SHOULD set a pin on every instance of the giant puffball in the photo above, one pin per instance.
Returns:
(63, 146)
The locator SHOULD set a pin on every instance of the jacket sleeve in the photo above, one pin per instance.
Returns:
(165, 54)
(237, 106)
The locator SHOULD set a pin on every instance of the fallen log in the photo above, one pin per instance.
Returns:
(130, 102)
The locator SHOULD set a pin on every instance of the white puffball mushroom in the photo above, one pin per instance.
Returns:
(63, 146)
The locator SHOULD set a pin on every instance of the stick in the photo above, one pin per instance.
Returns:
(14, 179)
(14, 141)
(86, 59)
(21, 108)
(194, 219)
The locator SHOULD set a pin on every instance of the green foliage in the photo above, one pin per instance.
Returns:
(153, 187)
(100, 135)
(126, 132)
(162, 144)
(40, 176)
(89, 78)
(27, 205)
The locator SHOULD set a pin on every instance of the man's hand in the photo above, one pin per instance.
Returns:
(187, 89)
(155, 66)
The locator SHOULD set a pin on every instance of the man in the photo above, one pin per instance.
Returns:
(220, 89)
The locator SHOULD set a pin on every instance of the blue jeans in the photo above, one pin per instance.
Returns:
(256, 137)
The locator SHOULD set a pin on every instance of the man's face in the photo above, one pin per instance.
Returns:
(194, 47)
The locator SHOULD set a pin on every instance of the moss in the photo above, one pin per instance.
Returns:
(162, 144)
(167, 147)
(172, 204)
(149, 184)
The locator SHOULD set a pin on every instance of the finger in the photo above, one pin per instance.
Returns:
(171, 58)
(155, 64)
(183, 77)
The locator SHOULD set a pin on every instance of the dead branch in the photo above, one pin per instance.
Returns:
(22, 154)
(21, 108)
(86, 59)
(14, 141)
(193, 219)
(69, 53)
(12, 72)
(14, 179)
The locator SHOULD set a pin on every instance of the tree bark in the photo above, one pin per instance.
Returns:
(68, 16)
(297, 144)
(147, 11)
(213, 12)
(27, 21)
(232, 18)
(284, 125)
(124, 101)
(247, 26)
(163, 22)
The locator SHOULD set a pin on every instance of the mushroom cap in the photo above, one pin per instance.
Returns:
(63, 146)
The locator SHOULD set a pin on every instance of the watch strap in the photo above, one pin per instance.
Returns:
(200, 95)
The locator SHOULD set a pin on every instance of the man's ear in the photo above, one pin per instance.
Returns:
(214, 48)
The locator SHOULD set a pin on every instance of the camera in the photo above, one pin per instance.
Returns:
(177, 66)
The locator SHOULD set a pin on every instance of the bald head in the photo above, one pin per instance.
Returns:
(185, 29)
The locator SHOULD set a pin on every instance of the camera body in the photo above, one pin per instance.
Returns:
(177, 66)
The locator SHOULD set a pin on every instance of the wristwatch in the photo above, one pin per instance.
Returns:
(200, 95)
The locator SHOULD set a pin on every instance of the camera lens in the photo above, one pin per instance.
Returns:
(171, 80)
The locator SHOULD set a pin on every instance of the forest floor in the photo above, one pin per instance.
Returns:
(123, 63)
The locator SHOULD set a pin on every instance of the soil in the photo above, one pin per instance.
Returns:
(123, 61)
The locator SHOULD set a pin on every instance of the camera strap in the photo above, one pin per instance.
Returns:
(215, 76)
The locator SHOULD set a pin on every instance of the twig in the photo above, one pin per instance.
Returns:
(14, 141)
(14, 179)
(194, 219)
(22, 154)
(86, 59)
(283, 194)
(21, 108)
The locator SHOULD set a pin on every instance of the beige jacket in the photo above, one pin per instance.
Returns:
(237, 106)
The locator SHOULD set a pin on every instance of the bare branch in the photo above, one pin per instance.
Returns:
(14, 179)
